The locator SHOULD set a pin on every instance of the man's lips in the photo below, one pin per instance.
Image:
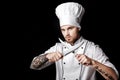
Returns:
(67, 37)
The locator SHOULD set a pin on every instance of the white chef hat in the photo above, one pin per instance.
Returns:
(70, 13)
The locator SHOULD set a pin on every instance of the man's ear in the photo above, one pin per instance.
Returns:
(79, 29)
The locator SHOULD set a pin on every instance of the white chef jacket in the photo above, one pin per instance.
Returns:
(68, 68)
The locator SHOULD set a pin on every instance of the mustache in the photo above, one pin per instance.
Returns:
(68, 36)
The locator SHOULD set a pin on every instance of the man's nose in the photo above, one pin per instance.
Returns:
(66, 32)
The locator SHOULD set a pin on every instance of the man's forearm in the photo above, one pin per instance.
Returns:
(39, 62)
(107, 72)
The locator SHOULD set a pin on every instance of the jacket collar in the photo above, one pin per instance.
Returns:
(66, 44)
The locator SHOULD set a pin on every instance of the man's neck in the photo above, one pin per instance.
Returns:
(75, 40)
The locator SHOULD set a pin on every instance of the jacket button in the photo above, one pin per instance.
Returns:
(73, 51)
(76, 79)
(64, 63)
(65, 47)
(81, 47)
(63, 78)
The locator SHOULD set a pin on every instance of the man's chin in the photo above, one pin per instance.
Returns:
(69, 41)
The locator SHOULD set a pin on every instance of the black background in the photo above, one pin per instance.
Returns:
(100, 24)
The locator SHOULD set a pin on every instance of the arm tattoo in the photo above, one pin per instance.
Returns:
(104, 73)
(39, 61)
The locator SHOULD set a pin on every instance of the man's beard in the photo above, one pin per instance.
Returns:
(70, 40)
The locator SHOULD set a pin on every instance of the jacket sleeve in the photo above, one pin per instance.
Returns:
(39, 62)
(101, 57)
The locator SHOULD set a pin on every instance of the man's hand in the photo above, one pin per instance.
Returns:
(54, 56)
(83, 59)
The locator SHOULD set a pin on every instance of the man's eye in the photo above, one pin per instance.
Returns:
(70, 28)
(62, 30)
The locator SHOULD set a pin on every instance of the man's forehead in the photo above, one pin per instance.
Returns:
(67, 26)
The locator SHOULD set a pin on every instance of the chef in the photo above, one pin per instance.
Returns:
(76, 58)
